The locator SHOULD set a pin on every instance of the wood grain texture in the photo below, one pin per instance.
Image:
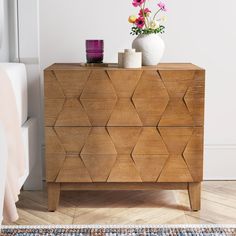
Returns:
(150, 98)
(174, 99)
(99, 110)
(53, 196)
(193, 154)
(150, 86)
(123, 186)
(176, 139)
(194, 190)
(186, 90)
(149, 166)
(55, 154)
(124, 170)
(72, 82)
(175, 170)
(176, 114)
(72, 114)
(53, 144)
(98, 86)
(150, 110)
(110, 125)
(124, 114)
(149, 149)
(73, 170)
(150, 143)
(52, 88)
(99, 142)
(124, 82)
(53, 163)
(177, 82)
(124, 138)
(52, 108)
(195, 96)
(72, 138)
(99, 166)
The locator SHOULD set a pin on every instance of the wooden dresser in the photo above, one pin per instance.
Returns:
(119, 129)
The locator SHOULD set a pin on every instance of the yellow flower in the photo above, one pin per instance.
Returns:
(132, 19)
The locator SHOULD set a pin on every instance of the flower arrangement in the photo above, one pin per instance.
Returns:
(145, 23)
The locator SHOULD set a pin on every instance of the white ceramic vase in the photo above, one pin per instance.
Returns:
(152, 47)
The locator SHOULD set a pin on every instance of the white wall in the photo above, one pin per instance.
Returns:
(4, 47)
(29, 54)
(24, 48)
(202, 32)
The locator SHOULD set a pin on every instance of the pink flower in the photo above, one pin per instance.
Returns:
(140, 22)
(137, 3)
(144, 12)
(162, 6)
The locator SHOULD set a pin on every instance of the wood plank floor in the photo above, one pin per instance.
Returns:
(131, 207)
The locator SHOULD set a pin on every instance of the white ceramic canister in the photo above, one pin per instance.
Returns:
(131, 59)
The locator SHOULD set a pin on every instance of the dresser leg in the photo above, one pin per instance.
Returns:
(53, 196)
(194, 192)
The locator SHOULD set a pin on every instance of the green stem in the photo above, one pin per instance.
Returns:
(142, 8)
(156, 14)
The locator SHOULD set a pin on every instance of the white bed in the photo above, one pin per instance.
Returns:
(17, 74)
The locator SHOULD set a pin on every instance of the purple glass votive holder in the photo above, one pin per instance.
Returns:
(94, 51)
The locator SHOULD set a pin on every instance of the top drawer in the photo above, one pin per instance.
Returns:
(120, 97)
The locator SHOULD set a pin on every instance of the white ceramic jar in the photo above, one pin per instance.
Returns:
(152, 47)
(130, 59)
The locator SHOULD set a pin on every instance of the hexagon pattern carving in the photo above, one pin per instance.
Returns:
(124, 125)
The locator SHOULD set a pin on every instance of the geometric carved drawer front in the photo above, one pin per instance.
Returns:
(124, 98)
(117, 125)
(124, 154)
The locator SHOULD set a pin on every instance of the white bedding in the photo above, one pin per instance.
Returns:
(17, 75)
(19, 150)
(3, 169)
(13, 161)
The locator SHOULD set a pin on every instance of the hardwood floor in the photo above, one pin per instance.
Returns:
(131, 207)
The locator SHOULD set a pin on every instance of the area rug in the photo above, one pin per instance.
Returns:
(118, 230)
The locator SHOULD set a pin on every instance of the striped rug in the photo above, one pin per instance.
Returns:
(119, 230)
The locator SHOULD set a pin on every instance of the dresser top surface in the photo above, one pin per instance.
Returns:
(112, 66)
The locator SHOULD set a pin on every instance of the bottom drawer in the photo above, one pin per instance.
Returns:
(124, 154)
